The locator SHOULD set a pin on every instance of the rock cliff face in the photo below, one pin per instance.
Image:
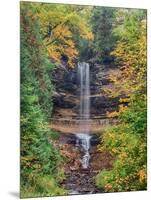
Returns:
(66, 98)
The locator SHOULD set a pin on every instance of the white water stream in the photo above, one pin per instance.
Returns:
(83, 137)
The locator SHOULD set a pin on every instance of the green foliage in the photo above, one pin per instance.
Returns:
(84, 45)
(129, 168)
(136, 113)
(127, 24)
(127, 141)
(104, 40)
(85, 49)
(36, 57)
(39, 158)
(42, 186)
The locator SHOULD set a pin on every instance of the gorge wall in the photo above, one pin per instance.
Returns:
(66, 98)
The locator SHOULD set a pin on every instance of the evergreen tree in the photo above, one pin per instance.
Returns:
(104, 39)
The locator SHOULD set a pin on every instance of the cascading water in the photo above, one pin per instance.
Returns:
(83, 138)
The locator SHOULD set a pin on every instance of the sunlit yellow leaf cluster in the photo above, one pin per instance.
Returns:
(59, 24)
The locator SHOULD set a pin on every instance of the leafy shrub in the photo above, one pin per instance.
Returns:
(129, 168)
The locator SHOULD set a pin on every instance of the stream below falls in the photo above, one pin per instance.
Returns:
(80, 174)
(83, 142)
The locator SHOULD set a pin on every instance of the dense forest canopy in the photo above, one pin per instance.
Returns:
(53, 35)
(58, 24)
(127, 141)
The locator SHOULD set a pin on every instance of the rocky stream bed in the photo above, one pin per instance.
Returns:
(79, 180)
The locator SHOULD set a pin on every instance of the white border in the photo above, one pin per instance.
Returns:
(9, 98)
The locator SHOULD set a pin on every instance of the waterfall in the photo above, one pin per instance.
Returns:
(84, 75)
(83, 137)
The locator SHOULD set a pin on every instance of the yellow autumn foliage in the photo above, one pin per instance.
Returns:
(142, 175)
(112, 114)
(59, 24)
